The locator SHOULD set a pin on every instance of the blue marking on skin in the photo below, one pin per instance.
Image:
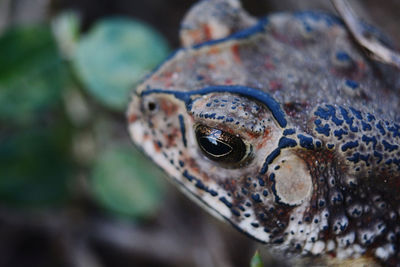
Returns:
(356, 157)
(244, 34)
(352, 84)
(322, 113)
(366, 126)
(188, 176)
(395, 130)
(365, 158)
(325, 130)
(330, 146)
(379, 156)
(318, 16)
(318, 144)
(349, 145)
(367, 140)
(235, 212)
(199, 184)
(349, 120)
(339, 133)
(356, 113)
(272, 177)
(226, 202)
(256, 197)
(213, 193)
(285, 142)
(258, 95)
(397, 162)
(307, 27)
(306, 141)
(220, 117)
(159, 144)
(274, 154)
(389, 147)
(342, 56)
(332, 112)
(370, 117)
(287, 132)
(380, 128)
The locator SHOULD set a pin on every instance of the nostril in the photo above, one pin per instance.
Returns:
(152, 106)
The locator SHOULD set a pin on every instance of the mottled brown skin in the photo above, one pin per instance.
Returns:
(284, 129)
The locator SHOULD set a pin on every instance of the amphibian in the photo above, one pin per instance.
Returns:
(281, 126)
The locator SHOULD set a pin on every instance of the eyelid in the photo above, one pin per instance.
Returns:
(222, 141)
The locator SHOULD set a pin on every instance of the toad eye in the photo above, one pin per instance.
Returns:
(220, 146)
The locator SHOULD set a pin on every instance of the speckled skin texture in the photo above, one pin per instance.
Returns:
(318, 120)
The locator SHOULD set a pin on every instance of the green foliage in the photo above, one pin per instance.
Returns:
(114, 56)
(125, 183)
(37, 138)
(256, 260)
(34, 162)
(34, 167)
(32, 74)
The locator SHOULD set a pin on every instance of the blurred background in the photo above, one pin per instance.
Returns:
(73, 189)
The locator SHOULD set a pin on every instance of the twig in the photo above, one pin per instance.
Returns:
(376, 49)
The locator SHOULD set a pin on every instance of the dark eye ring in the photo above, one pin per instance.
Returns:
(220, 146)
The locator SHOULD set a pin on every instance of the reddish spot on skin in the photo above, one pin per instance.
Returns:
(165, 78)
(275, 85)
(207, 32)
(361, 66)
(211, 66)
(196, 35)
(228, 81)
(168, 108)
(171, 137)
(266, 137)
(157, 148)
(213, 50)
(132, 118)
(236, 54)
(269, 65)
(293, 108)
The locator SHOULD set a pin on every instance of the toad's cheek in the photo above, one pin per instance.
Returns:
(292, 182)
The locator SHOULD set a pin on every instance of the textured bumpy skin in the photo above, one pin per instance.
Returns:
(317, 118)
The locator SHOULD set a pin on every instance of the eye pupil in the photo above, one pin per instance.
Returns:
(214, 146)
(220, 146)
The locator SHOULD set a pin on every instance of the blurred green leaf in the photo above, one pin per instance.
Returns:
(34, 166)
(115, 55)
(32, 73)
(66, 27)
(126, 184)
(256, 260)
